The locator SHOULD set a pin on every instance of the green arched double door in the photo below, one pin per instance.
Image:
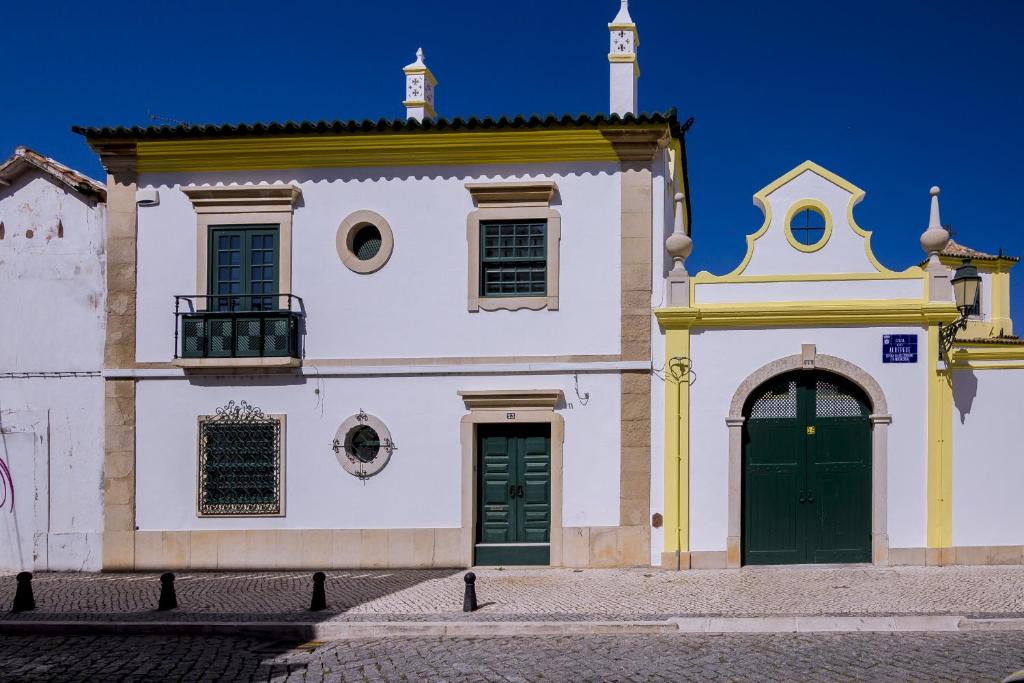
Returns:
(807, 471)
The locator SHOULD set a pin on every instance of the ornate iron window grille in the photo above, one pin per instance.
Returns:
(239, 462)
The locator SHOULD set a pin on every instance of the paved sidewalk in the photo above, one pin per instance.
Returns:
(529, 594)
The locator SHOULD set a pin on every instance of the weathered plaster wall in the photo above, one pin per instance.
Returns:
(356, 316)
(53, 287)
(51, 426)
(722, 359)
(988, 467)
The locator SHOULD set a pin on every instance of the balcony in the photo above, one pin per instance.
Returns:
(237, 330)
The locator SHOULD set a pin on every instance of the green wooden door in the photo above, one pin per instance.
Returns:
(513, 494)
(807, 472)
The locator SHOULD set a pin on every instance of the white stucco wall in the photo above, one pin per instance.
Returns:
(988, 462)
(415, 306)
(421, 487)
(722, 359)
(51, 426)
(808, 290)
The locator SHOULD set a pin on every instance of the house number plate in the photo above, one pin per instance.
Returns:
(510, 416)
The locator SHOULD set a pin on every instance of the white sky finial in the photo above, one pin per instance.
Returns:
(623, 16)
(419, 59)
(933, 219)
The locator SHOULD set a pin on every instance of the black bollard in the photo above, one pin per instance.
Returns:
(23, 599)
(469, 601)
(319, 594)
(168, 599)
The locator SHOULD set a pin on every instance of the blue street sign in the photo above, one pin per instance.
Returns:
(899, 348)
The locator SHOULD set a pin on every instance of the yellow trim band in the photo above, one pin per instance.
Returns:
(677, 446)
(395, 149)
(940, 448)
(809, 313)
(980, 351)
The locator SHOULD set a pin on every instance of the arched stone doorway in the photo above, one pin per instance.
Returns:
(806, 471)
(856, 381)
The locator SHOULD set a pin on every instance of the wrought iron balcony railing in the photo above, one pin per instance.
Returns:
(237, 325)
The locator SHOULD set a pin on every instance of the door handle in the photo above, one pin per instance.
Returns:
(512, 491)
(810, 496)
(803, 499)
(519, 491)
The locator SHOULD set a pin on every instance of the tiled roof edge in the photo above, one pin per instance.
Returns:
(183, 131)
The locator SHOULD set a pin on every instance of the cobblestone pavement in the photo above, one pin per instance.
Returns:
(533, 594)
(847, 657)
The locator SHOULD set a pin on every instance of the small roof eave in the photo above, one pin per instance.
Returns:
(25, 159)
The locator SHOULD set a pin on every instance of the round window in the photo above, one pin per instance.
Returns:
(807, 226)
(363, 445)
(366, 242)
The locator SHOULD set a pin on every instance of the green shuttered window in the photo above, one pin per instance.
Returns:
(243, 265)
(513, 258)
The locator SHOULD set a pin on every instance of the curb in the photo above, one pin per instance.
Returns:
(340, 630)
(927, 623)
(492, 629)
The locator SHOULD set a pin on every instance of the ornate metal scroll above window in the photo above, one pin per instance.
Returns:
(363, 445)
(240, 462)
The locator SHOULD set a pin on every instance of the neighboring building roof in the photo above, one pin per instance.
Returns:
(957, 250)
(185, 131)
(25, 159)
(1007, 340)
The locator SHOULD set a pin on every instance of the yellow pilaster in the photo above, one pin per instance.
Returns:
(940, 448)
(677, 441)
(1001, 302)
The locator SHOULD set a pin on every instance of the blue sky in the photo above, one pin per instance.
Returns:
(895, 96)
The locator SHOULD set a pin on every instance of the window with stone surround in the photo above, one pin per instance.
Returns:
(513, 238)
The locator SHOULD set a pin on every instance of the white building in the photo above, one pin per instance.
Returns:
(51, 392)
(424, 342)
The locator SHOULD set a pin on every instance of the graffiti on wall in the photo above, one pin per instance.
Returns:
(6, 486)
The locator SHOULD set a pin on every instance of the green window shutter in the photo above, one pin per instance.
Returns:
(244, 263)
(513, 258)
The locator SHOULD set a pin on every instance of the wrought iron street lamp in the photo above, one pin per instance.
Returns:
(966, 282)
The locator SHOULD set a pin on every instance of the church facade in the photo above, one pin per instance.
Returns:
(818, 408)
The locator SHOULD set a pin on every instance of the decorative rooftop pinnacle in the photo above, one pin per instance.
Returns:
(936, 237)
(419, 60)
(419, 90)
(623, 16)
(679, 245)
(933, 218)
